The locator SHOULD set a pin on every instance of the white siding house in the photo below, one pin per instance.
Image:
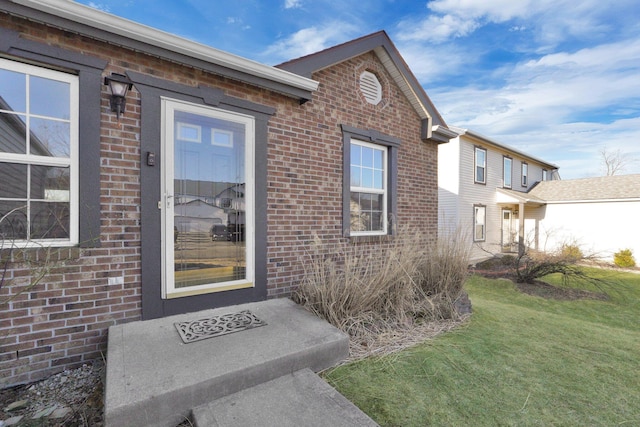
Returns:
(600, 214)
(482, 190)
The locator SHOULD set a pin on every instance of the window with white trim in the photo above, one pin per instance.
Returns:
(525, 174)
(480, 165)
(507, 171)
(38, 155)
(368, 200)
(479, 223)
(544, 175)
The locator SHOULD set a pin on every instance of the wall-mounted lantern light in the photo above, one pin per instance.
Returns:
(119, 85)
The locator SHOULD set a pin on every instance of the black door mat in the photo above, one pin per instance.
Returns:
(217, 325)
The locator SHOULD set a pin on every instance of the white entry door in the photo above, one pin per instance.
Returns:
(508, 235)
(207, 199)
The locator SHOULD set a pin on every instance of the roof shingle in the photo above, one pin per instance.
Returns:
(600, 188)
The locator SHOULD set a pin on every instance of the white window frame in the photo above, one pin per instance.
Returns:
(507, 172)
(545, 176)
(384, 191)
(182, 126)
(30, 159)
(525, 174)
(476, 210)
(483, 166)
(168, 108)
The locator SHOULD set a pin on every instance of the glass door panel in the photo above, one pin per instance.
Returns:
(207, 200)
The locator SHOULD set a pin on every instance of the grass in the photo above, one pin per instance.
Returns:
(521, 360)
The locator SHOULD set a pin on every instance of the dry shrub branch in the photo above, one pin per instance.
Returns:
(373, 291)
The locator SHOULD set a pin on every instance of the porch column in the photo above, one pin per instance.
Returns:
(521, 242)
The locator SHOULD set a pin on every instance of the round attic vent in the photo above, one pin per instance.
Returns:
(370, 88)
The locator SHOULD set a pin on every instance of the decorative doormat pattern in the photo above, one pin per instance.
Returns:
(217, 325)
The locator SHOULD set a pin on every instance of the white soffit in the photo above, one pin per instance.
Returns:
(114, 24)
(400, 80)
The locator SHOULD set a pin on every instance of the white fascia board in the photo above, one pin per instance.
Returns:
(123, 27)
(568, 202)
(463, 131)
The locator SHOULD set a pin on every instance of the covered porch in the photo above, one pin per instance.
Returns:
(516, 209)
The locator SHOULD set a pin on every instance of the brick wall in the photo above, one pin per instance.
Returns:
(305, 174)
(62, 321)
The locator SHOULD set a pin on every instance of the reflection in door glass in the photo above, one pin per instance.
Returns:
(209, 206)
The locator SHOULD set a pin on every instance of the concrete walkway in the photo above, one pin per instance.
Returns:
(154, 379)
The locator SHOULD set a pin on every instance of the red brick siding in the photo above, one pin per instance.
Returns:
(62, 322)
(305, 166)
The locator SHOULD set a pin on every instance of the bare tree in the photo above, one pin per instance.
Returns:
(614, 162)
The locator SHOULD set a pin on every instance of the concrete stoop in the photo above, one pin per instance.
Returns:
(298, 399)
(154, 379)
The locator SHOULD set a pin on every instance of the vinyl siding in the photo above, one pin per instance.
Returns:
(456, 205)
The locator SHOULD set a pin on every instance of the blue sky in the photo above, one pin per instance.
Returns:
(559, 79)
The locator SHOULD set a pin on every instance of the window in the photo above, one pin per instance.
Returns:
(38, 155)
(507, 171)
(370, 164)
(479, 223)
(481, 165)
(525, 174)
(544, 174)
(368, 201)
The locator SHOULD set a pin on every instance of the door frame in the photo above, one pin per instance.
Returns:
(509, 246)
(151, 91)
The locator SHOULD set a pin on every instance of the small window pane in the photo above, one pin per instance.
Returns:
(14, 133)
(13, 220)
(13, 92)
(13, 181)
(377, 159)
(49, 98)
(480, 174)
(222, 138)
(50, 183)
(367, 156)
(49, 220)
(356, 176)
(356, 157)
(377, 179)
(50, 138)
(367, 178)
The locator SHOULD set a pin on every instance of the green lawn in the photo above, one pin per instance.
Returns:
(520, 360)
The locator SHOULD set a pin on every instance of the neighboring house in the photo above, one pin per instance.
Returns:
(482, 192)
(599, 214)
(342, 144)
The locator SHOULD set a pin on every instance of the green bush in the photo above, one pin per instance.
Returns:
(624, 258)
(572, 252)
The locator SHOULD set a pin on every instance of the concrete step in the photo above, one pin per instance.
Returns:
(154, 379)
(298, 399)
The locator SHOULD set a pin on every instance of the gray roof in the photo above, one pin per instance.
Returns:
(600, 188)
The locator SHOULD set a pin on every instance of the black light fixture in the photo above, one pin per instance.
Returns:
(119, 85)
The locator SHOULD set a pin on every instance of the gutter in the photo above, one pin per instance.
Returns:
(94, 18)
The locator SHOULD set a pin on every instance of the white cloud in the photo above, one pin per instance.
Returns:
(561, 107)
(99, 6)
(292, 4)
(437, 28)
(311, 40)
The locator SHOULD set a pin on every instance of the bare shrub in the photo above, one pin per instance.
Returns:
(364, 289)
